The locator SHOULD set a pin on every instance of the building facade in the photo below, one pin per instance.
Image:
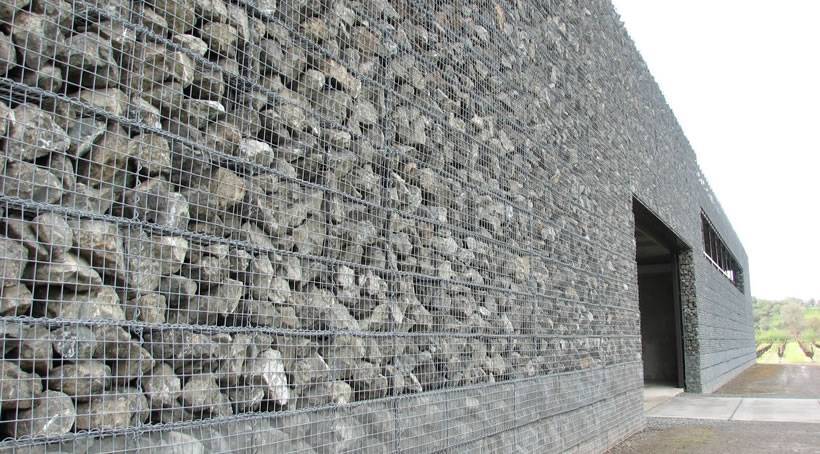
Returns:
(337, 226)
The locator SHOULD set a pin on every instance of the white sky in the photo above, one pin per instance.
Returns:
(743, 78)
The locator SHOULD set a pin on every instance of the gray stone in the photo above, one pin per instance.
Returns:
(53, 414)
(162, 386)
(49, 78)
(149, 308)
(185, 351)
(31, 182)
(268, 372)
(34, 134)
(74, 342)
(309, 371)
(152, 201)
(80, 380)
(85, 198)
(192, 43)
(9, 7)
(246, 398)
(201, 396)
(151, 153)
(101, 167)
(335, 71)
(84, 133)
(365, 112)
(212, 10)
(15, 299)
(170, 252)
(6, 122)
(125, 408)
(29, 344)
(111, 101)
(13, 257)
(255, 151)
(143, 112)
(332, 392)
(71, 272)
(39, 38)
(179, 14)
(101, 303)
(209, 308)
(153, 21)
(18, 389)
(178, 290)
(221, 38)
(54, 233)
(100, 243)
(267, 7)
(91, 61)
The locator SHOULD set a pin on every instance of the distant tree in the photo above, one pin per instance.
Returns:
(792, 314)
(813, 325)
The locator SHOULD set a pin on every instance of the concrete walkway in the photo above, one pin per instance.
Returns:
(775, 380)
(739, 409)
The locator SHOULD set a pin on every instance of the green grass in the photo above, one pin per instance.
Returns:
(793, 355)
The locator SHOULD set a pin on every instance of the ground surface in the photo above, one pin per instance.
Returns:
(663, 435)
(775, 380)
(760, 382)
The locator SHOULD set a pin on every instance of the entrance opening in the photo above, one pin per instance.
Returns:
(657, 251)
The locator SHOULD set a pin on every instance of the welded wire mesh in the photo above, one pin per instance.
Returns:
(307, 225)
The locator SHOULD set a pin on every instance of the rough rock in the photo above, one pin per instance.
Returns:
(162, 386)
(91, 61)
(54, 234)
(34, 134)
(180, 15)
(151, 154)
(13, 257)
(80, 380)
(52, 414)
(39, 38)
(29, 181)
(149, 308)
(70, 272)
(268, 372)
(201, 396)
(153, 201)
(120, 409)
(49, 78)
(74, 342)
(15, 299)
(18, 389)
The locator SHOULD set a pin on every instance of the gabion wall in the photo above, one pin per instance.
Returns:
(322, 225)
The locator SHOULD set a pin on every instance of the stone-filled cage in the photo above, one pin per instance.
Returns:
(334, 226)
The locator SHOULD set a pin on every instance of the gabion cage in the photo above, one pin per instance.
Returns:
(304, 226)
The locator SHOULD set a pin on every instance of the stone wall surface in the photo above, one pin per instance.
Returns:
(336, 226)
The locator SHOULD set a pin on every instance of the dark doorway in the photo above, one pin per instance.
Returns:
(657, 250)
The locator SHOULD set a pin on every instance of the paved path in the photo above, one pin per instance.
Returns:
(769, 408)
(776, 380)
(739, 409)
(673, 436)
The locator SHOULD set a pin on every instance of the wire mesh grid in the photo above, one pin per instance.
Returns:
(304, 226)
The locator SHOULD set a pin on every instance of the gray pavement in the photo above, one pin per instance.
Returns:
(674, 436)
(739, 409)
(766, 409)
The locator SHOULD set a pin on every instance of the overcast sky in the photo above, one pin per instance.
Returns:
(743, 78)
